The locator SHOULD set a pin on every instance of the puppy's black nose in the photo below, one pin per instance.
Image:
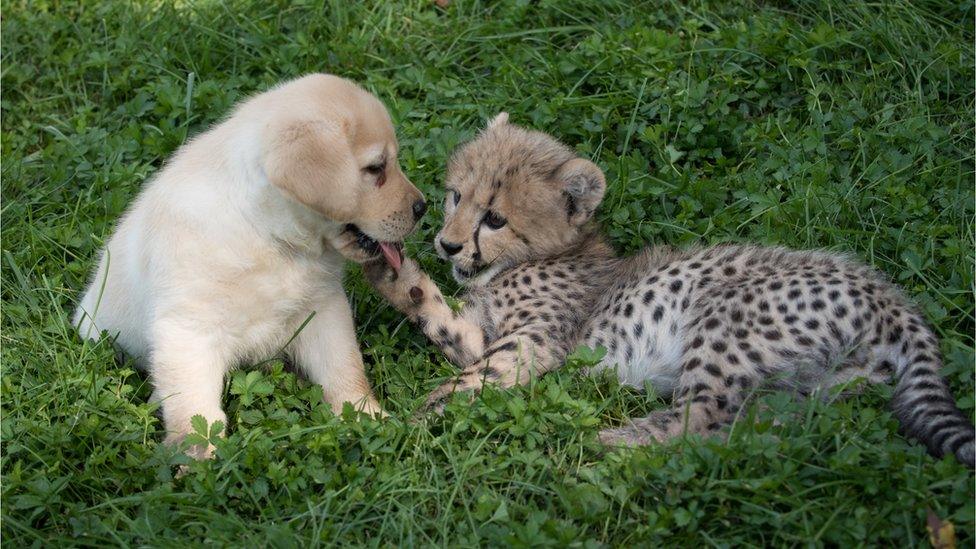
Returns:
(419, 209)
(450, 248)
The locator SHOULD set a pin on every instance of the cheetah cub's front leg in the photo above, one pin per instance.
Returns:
(414, 294)
(510, 360)
(513, 359)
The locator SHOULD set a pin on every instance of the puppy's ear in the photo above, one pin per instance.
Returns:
(583, 185)
(312, 162)
(500, 120)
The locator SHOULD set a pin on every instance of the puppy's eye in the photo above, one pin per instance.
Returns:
(375, 169)
(379, 171)
(494, 221)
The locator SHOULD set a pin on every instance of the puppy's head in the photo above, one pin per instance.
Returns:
(330, 145)
(513, 195)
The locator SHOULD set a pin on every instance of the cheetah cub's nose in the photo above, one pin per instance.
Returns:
(450, 248)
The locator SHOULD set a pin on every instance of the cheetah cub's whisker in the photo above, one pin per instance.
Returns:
(707, 325)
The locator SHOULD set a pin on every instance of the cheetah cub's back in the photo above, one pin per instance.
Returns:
(708, 326)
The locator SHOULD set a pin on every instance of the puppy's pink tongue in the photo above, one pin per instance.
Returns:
(392, 255)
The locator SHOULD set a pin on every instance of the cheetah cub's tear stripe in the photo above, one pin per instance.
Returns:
(708, 326)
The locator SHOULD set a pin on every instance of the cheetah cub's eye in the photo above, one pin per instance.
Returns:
(494, 221)
(455, 197)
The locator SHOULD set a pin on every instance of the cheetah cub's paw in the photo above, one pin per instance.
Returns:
(657, 427)
(402, 289)
(629, 436)
(439, 397)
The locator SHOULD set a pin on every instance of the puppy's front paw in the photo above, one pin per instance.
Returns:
(195, 451)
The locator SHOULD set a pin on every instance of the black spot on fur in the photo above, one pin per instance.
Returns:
(648, 297)
(507, 346)
(658, 313)
(489, 372)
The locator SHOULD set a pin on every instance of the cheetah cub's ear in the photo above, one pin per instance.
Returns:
(500, 120)
(583, 185)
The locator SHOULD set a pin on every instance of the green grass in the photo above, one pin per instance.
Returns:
(845, 125)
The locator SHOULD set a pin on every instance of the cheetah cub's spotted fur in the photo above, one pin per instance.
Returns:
(706, 325)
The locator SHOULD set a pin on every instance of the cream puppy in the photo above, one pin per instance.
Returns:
(243, 236)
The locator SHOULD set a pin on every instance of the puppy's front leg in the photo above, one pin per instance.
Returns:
(327, 351)
(187, 370)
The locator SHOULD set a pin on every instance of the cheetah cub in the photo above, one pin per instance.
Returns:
(706, 325)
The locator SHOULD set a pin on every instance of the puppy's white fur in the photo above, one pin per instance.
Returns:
(240, 238)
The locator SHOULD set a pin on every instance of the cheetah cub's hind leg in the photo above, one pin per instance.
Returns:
(717, 376)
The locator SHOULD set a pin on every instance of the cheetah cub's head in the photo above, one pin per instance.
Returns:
(513, 195)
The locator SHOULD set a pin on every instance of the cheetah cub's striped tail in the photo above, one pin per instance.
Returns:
(923, 403)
